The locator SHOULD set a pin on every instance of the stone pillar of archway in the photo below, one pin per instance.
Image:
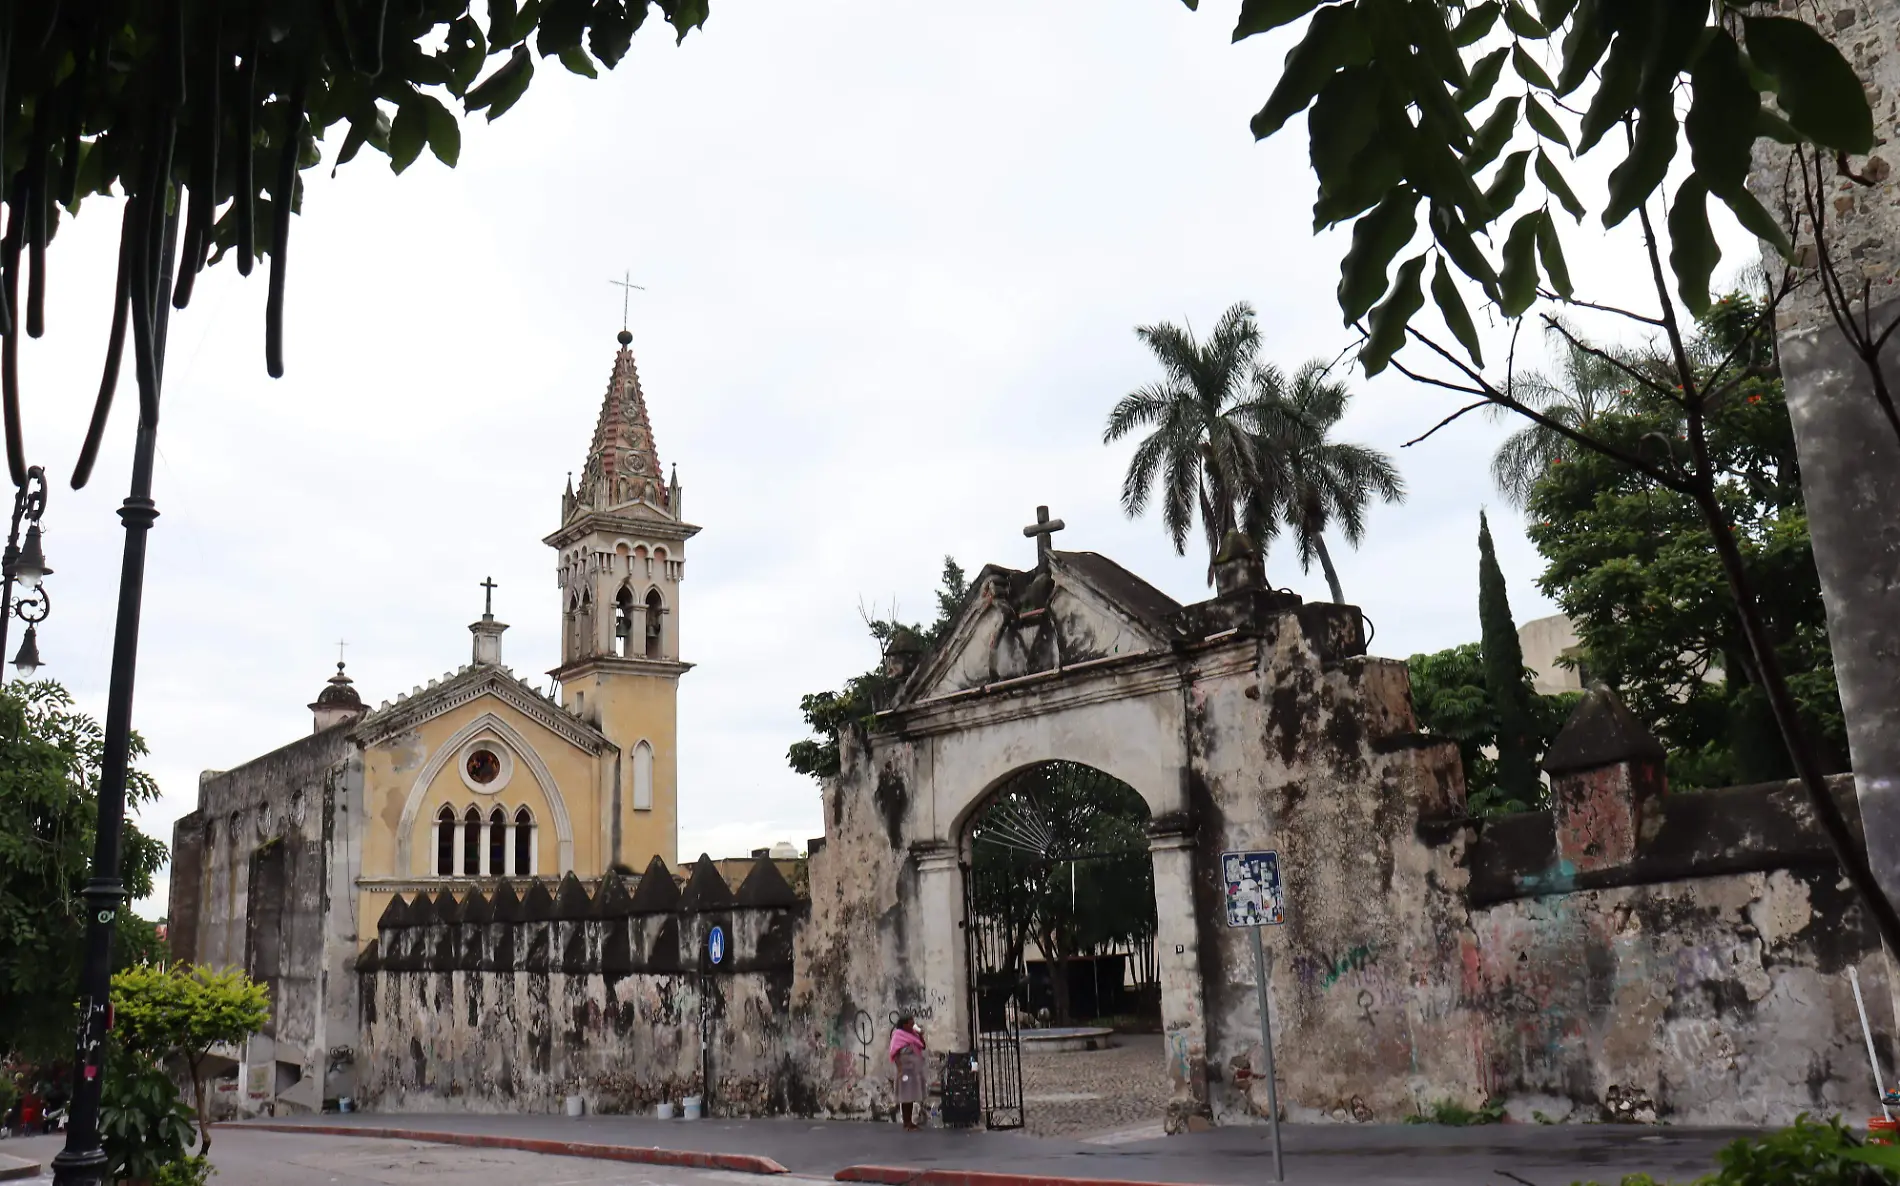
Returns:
(945, 970)
(1178, 960)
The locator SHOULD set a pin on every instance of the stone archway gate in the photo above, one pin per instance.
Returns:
(1248, 720)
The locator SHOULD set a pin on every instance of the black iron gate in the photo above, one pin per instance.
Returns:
(999, 982)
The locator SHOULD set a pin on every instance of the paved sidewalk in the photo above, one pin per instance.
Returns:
(1320, 1155)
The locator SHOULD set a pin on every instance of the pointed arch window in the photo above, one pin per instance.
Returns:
(471, 843)
(656, 609)
(643, 777)
(497, 843)
(524, 843)
(444, 842)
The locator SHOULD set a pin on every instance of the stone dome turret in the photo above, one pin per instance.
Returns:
(338, 702)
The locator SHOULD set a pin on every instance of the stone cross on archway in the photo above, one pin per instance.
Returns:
(1042, 531)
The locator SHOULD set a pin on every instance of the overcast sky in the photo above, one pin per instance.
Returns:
(893, 255)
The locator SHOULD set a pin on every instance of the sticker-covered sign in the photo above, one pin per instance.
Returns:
(1255, 895)
(716, 945)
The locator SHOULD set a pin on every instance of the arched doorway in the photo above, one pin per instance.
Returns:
(1060, 925)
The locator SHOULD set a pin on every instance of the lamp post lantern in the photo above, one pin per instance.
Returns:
(27, 568)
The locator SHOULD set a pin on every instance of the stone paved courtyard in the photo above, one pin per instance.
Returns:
(1094, 1092)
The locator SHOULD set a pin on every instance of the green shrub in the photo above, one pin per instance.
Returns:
(1454, 1114)
(1803, 1154)
(143, 1124)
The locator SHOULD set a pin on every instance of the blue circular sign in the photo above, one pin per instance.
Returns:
(716, 945)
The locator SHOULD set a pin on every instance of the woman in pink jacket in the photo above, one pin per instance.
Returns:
(907, 1055)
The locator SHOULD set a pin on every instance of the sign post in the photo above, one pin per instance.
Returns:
(1256, 898)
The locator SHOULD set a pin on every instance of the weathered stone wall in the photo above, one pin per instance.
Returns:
(255, 871)
(509, 1003)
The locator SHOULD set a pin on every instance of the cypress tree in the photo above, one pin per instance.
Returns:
(1504, 682)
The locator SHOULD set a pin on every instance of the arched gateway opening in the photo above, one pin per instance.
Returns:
(1064, 985)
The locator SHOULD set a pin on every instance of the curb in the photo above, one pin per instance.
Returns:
(897, 1175)
(15, 1167)
(745, 1163)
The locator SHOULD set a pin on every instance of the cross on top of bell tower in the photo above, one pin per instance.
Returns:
(1042, 531)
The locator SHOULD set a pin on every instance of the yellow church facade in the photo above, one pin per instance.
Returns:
(474, 777)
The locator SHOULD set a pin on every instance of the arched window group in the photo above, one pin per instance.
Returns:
(497, 845)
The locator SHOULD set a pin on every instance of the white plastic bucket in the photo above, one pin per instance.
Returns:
(691, 1107)
(663, 1111)
(575, 1105)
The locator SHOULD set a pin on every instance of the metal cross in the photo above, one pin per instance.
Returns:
(488, 598)
(626, 286)
(1041, 530)
(340, 644)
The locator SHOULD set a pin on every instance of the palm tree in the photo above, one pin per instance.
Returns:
(1199, 450)
(1590, 386)
(1312, 482)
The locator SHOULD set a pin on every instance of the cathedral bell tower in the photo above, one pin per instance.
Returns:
(621, 552)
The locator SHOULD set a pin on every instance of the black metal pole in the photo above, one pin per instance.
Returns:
(83, 1162)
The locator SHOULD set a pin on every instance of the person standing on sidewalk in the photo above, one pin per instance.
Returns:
(907, 1055)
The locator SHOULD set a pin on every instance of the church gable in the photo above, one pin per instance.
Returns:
(410, 712)
(1083, 607)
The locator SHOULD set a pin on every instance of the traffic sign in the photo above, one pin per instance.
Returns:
(716, 945)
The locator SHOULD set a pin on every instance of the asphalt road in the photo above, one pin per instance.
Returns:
(287, 1159)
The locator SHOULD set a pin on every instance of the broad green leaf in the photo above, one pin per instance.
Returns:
(1436, 173)
(563, 25)
(1528, 69)
(1721, 123)
(1693, 253)
(1493, 134)
(445, 135)
(1345, 115)
(1508, 181)
(408, 133)
(1615, 94)
(576, 60)
(1522, 23)
(1425, 20)
(1335, 38)
(499, 91)
(1551, 252)
(1770, 124)
(1519, 281)
(501, 22)
(1814, 84)
(1376, 239)
(1643, 169)
(1543, 122)
(1376, 169)
(1391, 317)
(1454, 238)
(1553, 12)
(1755, 218)
(1589, 36)
(685, 15)
(1484, 77)
(1259, 16)
(611, 33)
(1451, 306)
(1478, 22)
(1884, 1156)
(1555, 183)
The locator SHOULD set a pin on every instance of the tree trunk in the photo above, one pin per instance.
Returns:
(1326, 566)
(1850, 460)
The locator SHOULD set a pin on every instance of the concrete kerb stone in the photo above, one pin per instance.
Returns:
(745, 1163)
(13, 1168)
(897, 1175)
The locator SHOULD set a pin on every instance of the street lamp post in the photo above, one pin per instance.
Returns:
(26, 567)
(83, 1161)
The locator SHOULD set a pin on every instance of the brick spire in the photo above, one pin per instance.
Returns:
(623, 466)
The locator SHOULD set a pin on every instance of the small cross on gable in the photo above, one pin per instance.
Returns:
(1043, 531)
(488, 597)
